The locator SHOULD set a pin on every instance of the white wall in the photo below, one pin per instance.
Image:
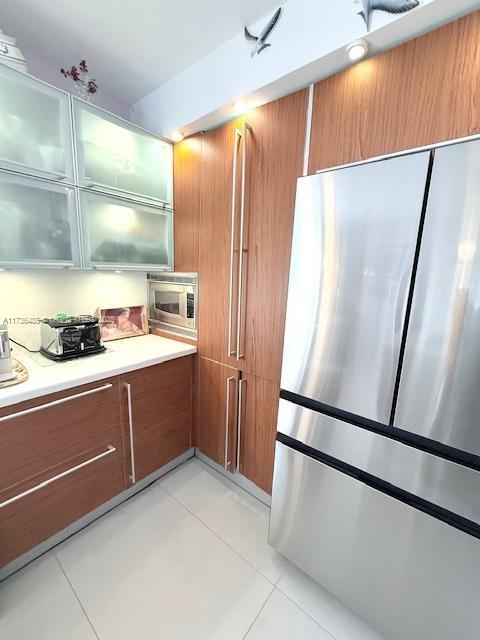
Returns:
(34, 294)
(47, 72)
(308, 44)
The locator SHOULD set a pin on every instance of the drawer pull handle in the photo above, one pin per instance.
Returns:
(237, 136)
(109, 451)
(128, 387)
(227, 462)
(240, 416)
(55, 402)
(241, 250)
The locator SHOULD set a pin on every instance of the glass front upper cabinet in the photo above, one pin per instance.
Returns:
(116, 156)
(38, 223)
(123, 234)
(35, 127)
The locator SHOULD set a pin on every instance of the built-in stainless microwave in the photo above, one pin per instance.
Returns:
(172, 302)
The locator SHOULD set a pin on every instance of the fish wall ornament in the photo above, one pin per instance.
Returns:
(388, 6)
(261, 40)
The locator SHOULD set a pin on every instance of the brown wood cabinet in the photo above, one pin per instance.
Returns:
(156, 411)
(65, 454)
(422, 92)
(257, 425)
(237, 418)
(73, 436)
(275, 141)
(216, 187)
(186, 169)
(243, 284)
(247, 183)
(217, 412)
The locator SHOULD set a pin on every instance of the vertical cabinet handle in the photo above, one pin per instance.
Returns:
(228, 462)
(128, 387)
(241, 382)
(239, 350)
(237, 135)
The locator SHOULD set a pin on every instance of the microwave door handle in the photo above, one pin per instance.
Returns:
(183, 305)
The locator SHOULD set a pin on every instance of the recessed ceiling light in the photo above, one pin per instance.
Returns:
(357, 50)
(177, 136)
(240, 106)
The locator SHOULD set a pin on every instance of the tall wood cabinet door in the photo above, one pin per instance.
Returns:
(156, 414)
(274, 147)
(216, 428)
(257, 427)
(217, 293)
(187, 160)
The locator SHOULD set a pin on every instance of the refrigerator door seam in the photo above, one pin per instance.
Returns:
(408, 310)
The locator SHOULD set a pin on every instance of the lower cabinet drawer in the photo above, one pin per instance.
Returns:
(61, 456)
(36, 513)
(40, 434)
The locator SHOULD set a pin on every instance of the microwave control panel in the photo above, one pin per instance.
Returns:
(190, 305)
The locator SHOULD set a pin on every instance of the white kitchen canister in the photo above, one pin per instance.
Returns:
(10, 54)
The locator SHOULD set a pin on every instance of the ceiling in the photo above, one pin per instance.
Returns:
(131, 46)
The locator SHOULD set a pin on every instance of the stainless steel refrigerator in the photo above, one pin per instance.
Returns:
(376, 489)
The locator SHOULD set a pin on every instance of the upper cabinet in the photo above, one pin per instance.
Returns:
(35, 130)
(38, 223)
(117, 186)
(119, 157)
(124, 234)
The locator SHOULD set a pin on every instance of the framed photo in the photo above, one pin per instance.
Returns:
(124, 322)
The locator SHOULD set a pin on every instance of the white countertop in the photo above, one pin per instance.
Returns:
(121, 356)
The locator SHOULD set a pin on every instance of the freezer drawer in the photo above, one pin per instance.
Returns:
(354, 241)
(445, 484)
(408, 574)
(440, 381)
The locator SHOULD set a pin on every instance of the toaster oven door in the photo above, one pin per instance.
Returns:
(173, 304)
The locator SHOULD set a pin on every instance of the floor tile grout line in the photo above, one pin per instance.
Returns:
(118, 506)
(305, 612)
(259, 612)
(75, 594)
(281, 575)
(224, 479)
(184, 506)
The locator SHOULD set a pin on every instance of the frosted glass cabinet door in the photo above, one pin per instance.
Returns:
(124, 234)
(118, 157)
(35, 129)
(38, 223)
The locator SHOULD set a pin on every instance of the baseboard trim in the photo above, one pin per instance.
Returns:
(47, 545)
(237, 478)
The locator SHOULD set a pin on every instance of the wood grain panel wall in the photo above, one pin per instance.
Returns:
(424, 91)
(187, 156)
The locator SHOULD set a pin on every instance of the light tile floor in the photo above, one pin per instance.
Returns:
(187, 558)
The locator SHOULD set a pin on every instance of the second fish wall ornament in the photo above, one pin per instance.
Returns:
(389, 6)
(261, 40)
